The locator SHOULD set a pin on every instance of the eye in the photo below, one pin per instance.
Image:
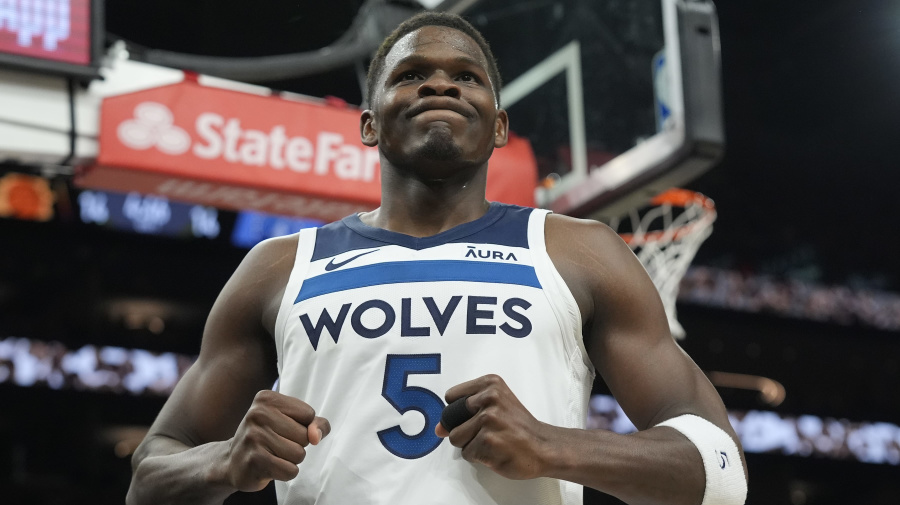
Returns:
(469, 77)
(408, 76)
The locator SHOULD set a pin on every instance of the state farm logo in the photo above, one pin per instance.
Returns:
(152, 127)
(223, 139)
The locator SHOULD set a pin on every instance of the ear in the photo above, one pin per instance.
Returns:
(367, 129)
(501, 129)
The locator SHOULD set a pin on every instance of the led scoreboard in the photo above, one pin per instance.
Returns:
(53, 36)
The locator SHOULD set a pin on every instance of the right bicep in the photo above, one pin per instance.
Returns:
(237, 357)
(215, 393)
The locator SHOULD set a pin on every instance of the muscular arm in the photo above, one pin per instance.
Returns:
(186, 455)
(652, 378)
(628, 338)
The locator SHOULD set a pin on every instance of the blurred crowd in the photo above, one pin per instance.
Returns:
(770, 432)
(843, 305)
(27, 363)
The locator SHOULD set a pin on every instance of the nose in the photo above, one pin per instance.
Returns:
(439, 84)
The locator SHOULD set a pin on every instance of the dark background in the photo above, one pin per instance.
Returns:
(806, 191)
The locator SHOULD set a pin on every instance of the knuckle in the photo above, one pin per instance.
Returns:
(255, 415)
(489, 417)
(494, 379)
(253, 436)
(256, 461)
(489, 441)
(492, 396)
(264, 396)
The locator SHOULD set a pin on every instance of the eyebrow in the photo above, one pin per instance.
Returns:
(418, 58)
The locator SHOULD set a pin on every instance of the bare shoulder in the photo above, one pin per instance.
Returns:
(272, 257)
(589, 256)
(258, 283)
(592, 247)
(275, 248)
(584, 233)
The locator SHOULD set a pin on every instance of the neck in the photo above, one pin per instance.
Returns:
(422, 208)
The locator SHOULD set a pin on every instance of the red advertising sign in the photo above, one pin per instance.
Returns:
(58, 30)
(241, 151)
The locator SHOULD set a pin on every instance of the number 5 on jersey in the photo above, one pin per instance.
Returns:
(404, 398)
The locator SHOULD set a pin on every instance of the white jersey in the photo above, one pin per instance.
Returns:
(375, 326)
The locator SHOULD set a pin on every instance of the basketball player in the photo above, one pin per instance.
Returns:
(371, 324)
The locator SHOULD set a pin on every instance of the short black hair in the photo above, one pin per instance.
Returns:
(428, 18)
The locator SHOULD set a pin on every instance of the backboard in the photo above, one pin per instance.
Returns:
(621, 99)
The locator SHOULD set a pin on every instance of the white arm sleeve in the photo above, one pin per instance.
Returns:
(726, 481)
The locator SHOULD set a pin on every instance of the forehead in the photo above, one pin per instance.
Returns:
(435, 41)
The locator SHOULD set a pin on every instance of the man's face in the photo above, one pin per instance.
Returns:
(433, 107)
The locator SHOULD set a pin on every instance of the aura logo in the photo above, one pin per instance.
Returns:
(487, 254)
(152, 126)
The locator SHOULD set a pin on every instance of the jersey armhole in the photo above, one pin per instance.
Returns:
(561, 299)
(306, 243)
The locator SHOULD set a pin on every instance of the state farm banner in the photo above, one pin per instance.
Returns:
(239, 151)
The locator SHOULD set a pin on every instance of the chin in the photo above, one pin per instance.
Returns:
(439, 150)
(438, 156)
(439, 145)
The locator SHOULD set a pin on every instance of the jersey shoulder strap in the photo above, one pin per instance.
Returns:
(306, 241)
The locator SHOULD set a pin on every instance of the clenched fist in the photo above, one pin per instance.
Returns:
(270, 441)
(501, 434)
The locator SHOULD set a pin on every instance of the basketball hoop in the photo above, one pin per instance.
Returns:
(665, 236)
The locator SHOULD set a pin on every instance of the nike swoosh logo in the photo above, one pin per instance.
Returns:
(333, 266)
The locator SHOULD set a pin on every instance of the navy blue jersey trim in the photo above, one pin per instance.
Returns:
(485, 223)
(336, 238)
(417, 271)
(503, 224)
(512, 231)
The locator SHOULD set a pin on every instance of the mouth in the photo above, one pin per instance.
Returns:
(438, 106)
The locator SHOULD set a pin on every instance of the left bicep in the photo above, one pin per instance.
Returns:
(632, 347)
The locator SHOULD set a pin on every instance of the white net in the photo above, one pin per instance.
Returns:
(665, 236)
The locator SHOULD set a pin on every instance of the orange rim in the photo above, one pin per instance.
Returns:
(676, 197)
